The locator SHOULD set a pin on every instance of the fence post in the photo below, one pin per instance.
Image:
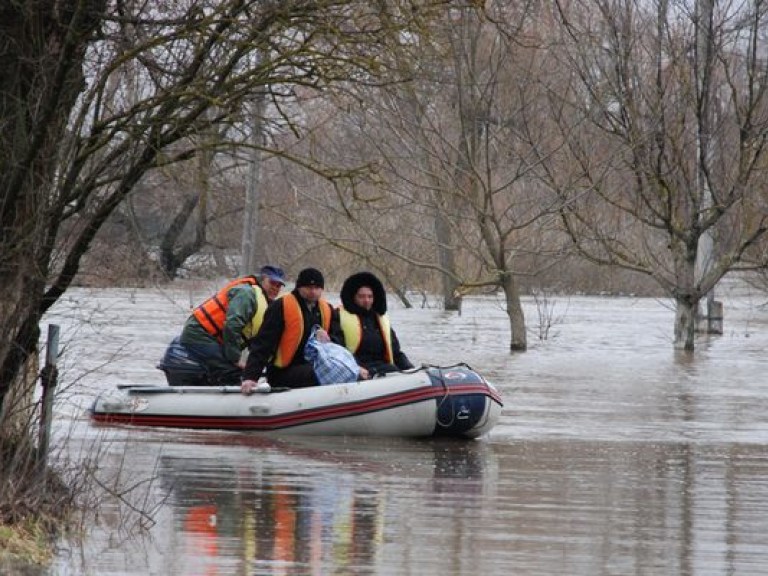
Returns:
(48, 378)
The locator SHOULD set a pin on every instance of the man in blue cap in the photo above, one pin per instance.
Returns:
(219, 329)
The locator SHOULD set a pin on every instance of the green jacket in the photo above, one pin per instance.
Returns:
(242, 308)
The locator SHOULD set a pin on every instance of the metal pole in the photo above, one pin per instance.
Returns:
(48, 378)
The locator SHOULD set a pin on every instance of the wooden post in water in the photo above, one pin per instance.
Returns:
(48, 378)
(715, 317)
(709, 318)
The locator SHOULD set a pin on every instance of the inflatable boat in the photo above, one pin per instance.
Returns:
(430, 401)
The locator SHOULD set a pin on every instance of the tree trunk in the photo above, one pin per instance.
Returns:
(518, 339)
(451, 297)
(18, 371)
(174, 252)
(685, 255)
(40, 79)
(686, 307)
(18, 411)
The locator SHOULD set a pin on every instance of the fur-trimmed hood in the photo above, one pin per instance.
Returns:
(354, 283)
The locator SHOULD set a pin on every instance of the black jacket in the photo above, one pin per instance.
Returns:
(263, 347)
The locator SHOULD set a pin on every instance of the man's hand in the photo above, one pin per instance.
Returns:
(322, 336)
(364, 374)
(248, 386)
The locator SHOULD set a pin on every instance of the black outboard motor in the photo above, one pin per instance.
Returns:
(181, 367)
(458, 413)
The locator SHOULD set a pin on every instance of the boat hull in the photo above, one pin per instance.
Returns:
(455, 402)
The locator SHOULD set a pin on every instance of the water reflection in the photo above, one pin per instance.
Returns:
(238, 504)
(304, 507)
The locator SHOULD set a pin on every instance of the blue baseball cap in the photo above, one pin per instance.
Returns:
(274, 273)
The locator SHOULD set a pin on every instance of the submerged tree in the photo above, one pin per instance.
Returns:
(663, 114)
(456, 169)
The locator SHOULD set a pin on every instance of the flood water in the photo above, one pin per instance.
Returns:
(614, 454)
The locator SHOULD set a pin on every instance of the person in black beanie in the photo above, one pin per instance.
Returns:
(279, 344)
(362, 325)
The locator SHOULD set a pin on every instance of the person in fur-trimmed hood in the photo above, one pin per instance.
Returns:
(361, 324)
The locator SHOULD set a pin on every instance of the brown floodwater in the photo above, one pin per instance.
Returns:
(614, 455)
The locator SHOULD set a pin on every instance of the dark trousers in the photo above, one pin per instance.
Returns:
(294, 376)
(221, 372)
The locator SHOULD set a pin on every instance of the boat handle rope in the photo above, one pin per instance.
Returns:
(426, 366)
(445, 397)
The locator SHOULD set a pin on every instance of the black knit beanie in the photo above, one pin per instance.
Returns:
(310, 277)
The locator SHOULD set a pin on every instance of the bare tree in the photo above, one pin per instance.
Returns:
(96, 95)
(456, 172)
(662, 113)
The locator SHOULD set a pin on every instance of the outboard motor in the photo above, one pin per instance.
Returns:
(458, 413)
(181, 367)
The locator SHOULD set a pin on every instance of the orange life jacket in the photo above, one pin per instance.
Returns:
(352, 327)
(212, 313)
(294, 328)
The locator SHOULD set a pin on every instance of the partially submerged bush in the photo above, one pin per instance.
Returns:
(34, 504)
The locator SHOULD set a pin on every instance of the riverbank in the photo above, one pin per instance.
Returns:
(24, 545)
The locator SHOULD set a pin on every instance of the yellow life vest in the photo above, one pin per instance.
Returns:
(352, 327)
(293, 331)
(250, 329)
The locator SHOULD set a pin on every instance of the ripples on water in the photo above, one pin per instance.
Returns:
(614, 455)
